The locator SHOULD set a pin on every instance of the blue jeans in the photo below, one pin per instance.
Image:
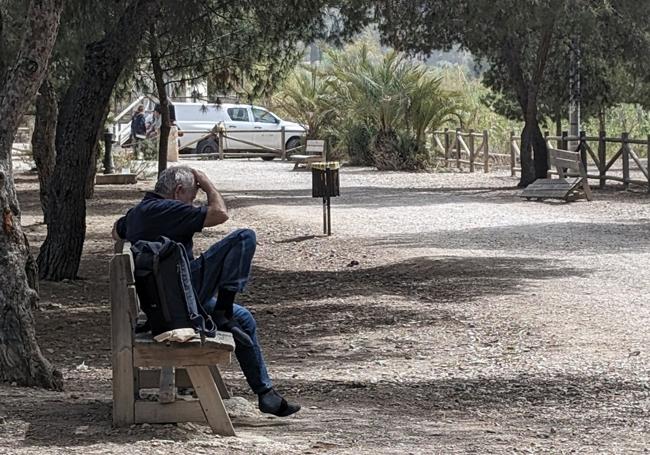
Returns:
(227, 265)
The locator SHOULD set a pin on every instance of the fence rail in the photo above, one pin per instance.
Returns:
(455, 147)
(628, 163)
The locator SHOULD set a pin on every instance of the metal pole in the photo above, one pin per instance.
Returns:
(329, 217)
(108, 152)
(574, 91)
(324, 215)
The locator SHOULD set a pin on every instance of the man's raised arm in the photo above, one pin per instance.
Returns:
(217, 211)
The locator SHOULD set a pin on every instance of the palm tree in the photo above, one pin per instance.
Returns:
(396, 97)
(305, 98)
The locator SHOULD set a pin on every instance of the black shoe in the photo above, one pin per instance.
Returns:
(271, 402)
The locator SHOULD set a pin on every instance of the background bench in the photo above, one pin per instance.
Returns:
(314, 151)
(572, 183)
(139, 362)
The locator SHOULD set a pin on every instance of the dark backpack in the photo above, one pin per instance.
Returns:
(164, 286)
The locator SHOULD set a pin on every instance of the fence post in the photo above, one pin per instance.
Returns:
(512, 154)
(602, 157)
(221, 144)
(283, 147)
(564, 141)
(471, 150)
(486, 152)
(583, 149)
(458, 149)
(626, 159)
(447, 147)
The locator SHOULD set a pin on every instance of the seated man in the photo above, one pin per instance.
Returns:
(218, 274)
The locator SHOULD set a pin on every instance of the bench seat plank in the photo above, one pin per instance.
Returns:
(149, 353)
(551, 188)
(305, 157)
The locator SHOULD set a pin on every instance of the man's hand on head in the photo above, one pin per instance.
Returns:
(201, 179)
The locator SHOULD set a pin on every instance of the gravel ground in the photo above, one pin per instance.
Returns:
(444, 315)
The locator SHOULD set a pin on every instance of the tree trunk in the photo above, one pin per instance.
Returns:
(165, 123)
(21, 359)
(43, 140)
(601, 117)
(92, 169)
(80, 121)
(90, 174)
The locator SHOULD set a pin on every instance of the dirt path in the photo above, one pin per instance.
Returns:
(473, 322)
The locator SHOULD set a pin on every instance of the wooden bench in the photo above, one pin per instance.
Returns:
(572, 183)
(314, 151)
(139, 362)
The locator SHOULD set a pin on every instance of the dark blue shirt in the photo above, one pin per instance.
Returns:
(155, 216)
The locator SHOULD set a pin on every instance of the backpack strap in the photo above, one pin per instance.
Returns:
(197, 314)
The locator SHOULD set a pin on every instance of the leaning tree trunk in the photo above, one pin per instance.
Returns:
(21, 359)
(534, 154)
(80, 119)
(534, 151)
(43, 140)
(94, 159)
(165, 118)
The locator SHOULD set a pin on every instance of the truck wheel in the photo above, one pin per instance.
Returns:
(207, 146)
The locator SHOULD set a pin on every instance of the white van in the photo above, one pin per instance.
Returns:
(246, 126)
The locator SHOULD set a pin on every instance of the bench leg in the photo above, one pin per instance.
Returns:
(221, 385)
(211, 403)
(167, 392)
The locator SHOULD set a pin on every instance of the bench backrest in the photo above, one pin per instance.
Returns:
(123, 296)
(565, 160)
(568, 164)
(315, 147)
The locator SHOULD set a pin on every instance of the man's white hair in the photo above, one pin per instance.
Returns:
(173, 176)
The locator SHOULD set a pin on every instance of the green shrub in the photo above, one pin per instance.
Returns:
(393, 151)
(358, 140)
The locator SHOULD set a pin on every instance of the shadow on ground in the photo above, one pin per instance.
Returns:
(560, 397)
(558, 237)
(418, 292)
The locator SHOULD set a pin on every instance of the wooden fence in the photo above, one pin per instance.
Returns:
(458, 148)
(601, 156)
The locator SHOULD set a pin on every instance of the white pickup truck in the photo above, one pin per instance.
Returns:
(253, 124)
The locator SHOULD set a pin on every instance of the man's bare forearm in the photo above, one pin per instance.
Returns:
(215, 200)
(217, 210)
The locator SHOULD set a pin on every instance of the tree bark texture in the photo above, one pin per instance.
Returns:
(81, 116)
(43, 140)
(21, 359)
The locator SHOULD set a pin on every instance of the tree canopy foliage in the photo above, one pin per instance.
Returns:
(521, 43)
